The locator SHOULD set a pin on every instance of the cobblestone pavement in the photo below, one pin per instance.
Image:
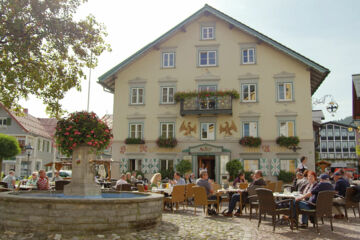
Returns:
(184, 225)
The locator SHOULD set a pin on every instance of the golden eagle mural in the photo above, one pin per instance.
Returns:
(187, 128)
(226, 128)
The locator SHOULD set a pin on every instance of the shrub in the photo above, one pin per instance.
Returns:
(287, 141)
(166, 142)
(82, 128)
(250, 141)
(233, 167)
(167, 173)
(248, 176)
(9, 147)
(134, 141)
(286, 177)
(183, 167)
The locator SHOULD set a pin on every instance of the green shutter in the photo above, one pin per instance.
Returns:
(8, 121)
(275, 166)
(264, 166)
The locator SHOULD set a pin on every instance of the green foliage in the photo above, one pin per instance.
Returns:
(134, 141)
(9, 147)
(180, 96)
(250, 141)
(44, 50)
(287, 141)
(248, 176)
(169, 173)
(286, 177)
(233, 167)
(82, 128)
(183, 167)
(166, 142)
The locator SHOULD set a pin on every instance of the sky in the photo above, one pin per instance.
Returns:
(325, 31)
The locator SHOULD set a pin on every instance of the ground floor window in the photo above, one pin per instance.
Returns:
(25, 168)
(251, 165)
(288, 165)
(166, 164)
(135, 164)
(207, 131)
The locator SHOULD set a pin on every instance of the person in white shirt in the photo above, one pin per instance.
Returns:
(302, 166)
(122, 180)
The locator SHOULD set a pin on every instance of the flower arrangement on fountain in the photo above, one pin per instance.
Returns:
(82, 128)
(166, 142)
(249, 141)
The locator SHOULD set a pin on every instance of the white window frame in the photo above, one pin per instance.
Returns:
(167, 135)
(206, 29)
(137, 101)
(208, 138)
(167, 163)
(285, 165)
(207, 58)
(284, 89)
(254, 132)
(136, 130)
(166, 64)
(168, 98)
(248, 92)
(3, 122)
(287, 127)
(252, 161)
(248, 50)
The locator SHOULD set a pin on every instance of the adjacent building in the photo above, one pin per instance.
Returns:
(211, 52)
(28, 129)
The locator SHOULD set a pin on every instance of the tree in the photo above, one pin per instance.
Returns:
(43, 50)
(233, 167)
(183, 167)
(9, 147)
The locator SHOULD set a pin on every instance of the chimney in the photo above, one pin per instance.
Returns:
(26, 111)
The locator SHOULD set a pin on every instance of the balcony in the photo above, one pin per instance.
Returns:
(207, 105)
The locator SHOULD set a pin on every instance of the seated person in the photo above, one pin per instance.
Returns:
(178, 180)
(340, 186)
(57, 176)
(298, 181)
(312, 182)
(33, 180)
(239, 179)
(258, 181)
(10, 180)
(121, 181)
(139, 180)
(128, 177)
(204, 181)
(43, 181)
(155, 180)
(324, 185)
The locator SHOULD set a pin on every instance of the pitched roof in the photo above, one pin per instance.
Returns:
(49, 124)
(318, 72)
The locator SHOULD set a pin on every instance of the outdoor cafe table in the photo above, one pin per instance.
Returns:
(162, 190)
(26, 187)
(286, 195)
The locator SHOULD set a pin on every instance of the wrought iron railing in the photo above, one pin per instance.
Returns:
(207, 105)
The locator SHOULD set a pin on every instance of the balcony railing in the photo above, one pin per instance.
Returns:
(209, 105)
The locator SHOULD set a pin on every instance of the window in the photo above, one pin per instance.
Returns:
(38, 165)
(166, 164)
(43, 145)
(248, 56)
(137, 95)
(288, 165)
(47, 146)
(207, 33)
(251, 165)
(4, 122)
(287, 128)
(352, 146)
(136, 130)
(331, 146)
(330, 132)
(344, 134)
(323, 147)
(285, 91)
(167, 130)
(134, 164)
(323, 133)
(337, 132)
(352, 135)
(25, 168)
(207, 131)
(345, 146)
(167, 95)
(250, 129)
(324, 155)
(345, 155)
(168, 59)
(207, 103)
(248, 92)
(338, 146)
(39, 145)
(207, 58)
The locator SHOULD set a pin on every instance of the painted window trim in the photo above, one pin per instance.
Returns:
(207, 129)
(131, 93)
(174, 128)
(257, 127)
(207, 26)
(161, 95)
(207, 65)
(289, 120)
(242, 95)
(162, 59)
(242, 55)
(278, 91)
(136, 123)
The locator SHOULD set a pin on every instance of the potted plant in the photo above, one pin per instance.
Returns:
(134, 141)
(166, 142)
(288, 142)
(249, 141)
(183, 167)
(233, 167)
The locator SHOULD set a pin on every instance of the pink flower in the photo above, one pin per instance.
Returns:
(88, 136)
(71, 139)
(89, 143)
(74, 145)
(106, 130)
(77, 133)
(92, 131)
(67, 133)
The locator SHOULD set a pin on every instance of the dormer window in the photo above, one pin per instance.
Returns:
(168, 59)
(207, 33)
(248, 56)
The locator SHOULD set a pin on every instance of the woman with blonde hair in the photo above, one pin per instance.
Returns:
(156, 178)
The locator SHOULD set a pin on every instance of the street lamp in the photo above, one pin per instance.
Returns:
(28, 150)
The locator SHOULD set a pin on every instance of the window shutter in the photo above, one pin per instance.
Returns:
(8, 121)
(275, 166)
(264, 166)
(253, 129)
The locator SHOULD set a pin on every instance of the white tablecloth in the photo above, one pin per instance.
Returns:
(161, 190)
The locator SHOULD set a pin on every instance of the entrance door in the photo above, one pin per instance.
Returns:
(207, 162)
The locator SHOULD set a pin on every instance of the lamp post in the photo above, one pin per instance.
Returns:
(28, 150)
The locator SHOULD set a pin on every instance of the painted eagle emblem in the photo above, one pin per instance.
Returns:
(226, 128)
(187, 128)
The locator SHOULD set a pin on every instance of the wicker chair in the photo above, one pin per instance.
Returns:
(271, 186)
(123, 187)
(267, 205)
(349, 203)
(243, 185)
(140, 187)
(323, 207)
(279, 185)
(59, 185)
(200, 199)
(178, 196)
(253, 199)
(189, 193)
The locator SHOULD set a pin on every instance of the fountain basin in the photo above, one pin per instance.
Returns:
(40, 212)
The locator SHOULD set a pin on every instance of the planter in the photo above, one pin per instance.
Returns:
(180, 96)
(250, 141)
(166, 142)
(134, 141)
(288, 142)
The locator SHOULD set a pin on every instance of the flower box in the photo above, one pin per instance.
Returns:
(166, 142)
(288, 142)
(180, 96)
(250, 141)
(134, 141)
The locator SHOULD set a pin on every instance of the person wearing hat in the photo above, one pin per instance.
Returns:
(340, 186)
(324, 185)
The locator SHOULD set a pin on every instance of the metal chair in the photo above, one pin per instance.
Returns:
(253, 199)
(349, 203)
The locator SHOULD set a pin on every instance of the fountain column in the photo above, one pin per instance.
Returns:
(83, 179)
